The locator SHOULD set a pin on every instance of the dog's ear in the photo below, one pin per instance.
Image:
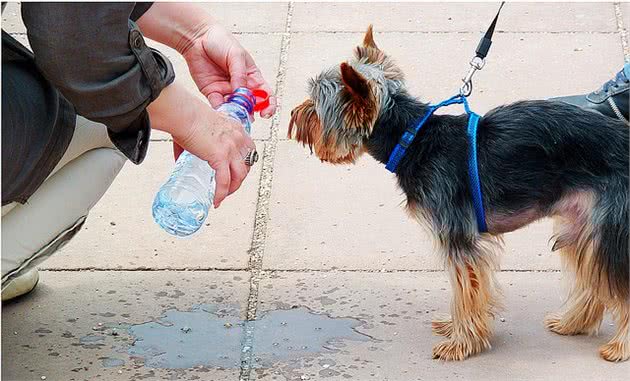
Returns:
(368, 39)
(368, 51)
(361, 104)
(354, 82)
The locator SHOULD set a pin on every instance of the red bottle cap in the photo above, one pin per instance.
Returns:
(262, 99)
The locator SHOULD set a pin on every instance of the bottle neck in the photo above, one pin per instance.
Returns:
(244, 98)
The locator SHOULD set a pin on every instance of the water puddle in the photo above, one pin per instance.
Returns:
(91, 339)
(91, 342)
(186, 339)
(111, 362)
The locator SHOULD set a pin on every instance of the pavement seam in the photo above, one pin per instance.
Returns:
(623, 33)
(146, 269)
(259, 235)
(395, 271)
(304, 32)
(402, 31)
(170, 140)
(266, 272)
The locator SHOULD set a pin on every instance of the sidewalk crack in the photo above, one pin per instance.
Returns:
(259, 237)
(623, 33)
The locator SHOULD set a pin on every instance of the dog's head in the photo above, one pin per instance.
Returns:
(345, 103)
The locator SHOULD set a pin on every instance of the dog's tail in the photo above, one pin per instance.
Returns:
(610, 221)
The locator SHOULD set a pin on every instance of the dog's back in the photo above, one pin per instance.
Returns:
(573, 163)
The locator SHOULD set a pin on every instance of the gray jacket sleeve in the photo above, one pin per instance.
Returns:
(96, 56)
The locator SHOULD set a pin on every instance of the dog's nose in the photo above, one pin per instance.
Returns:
(292, 111)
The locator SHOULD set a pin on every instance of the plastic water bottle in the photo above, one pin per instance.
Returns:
(182, 203)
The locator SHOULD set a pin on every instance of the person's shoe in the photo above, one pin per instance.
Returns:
(20, 285)
(611, 99)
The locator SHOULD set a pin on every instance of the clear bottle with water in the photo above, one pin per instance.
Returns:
(183, 202)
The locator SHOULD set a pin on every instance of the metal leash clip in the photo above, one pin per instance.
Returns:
(476, 63)
(479, 60)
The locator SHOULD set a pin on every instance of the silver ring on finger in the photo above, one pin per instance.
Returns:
(251, 158)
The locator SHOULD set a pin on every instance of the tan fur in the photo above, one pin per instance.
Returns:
(305, 127)
(306, 123)
(573, 235)
(475, 295)
(618, 348)
(584, 315)
(369, 52)
(361, 103)
(442, 326)
(473, 306)
(368, 39)
(590, 295)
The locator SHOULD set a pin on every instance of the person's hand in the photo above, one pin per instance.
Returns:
(224, 144)
(219, 64)
(216, 60)
(206, 133)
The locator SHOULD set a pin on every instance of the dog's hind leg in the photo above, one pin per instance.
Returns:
(612, 262)
(584, 315)
(573, 232)
(618, 348)
(596, 250)
(474, 300)
(585, 308)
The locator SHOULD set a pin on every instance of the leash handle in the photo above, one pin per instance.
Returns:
(479, 60)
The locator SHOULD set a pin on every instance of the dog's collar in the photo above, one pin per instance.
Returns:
(473, 170)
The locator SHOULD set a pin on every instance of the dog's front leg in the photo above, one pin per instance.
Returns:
(474, 300)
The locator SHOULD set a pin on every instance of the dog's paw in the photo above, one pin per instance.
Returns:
(555, 323)
(615, 351)
(451, 350)
(457, 349)
(442, 326)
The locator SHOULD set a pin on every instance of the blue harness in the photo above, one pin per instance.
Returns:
(473, 170)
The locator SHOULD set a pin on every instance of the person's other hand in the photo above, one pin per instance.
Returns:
(206, 133)
(219, 64)
(224, 144)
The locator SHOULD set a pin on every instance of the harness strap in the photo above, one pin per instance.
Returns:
(473, 171)
(410, 134)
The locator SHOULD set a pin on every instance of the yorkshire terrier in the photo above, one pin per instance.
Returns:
(536, 159)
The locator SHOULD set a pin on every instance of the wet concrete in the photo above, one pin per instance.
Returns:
(199, 337)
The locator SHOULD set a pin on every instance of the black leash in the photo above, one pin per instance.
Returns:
(486, 40)
(479, 60)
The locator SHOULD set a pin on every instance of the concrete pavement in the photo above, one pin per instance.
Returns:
(310, 271)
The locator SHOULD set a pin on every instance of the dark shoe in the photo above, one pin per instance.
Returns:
(611, 99)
